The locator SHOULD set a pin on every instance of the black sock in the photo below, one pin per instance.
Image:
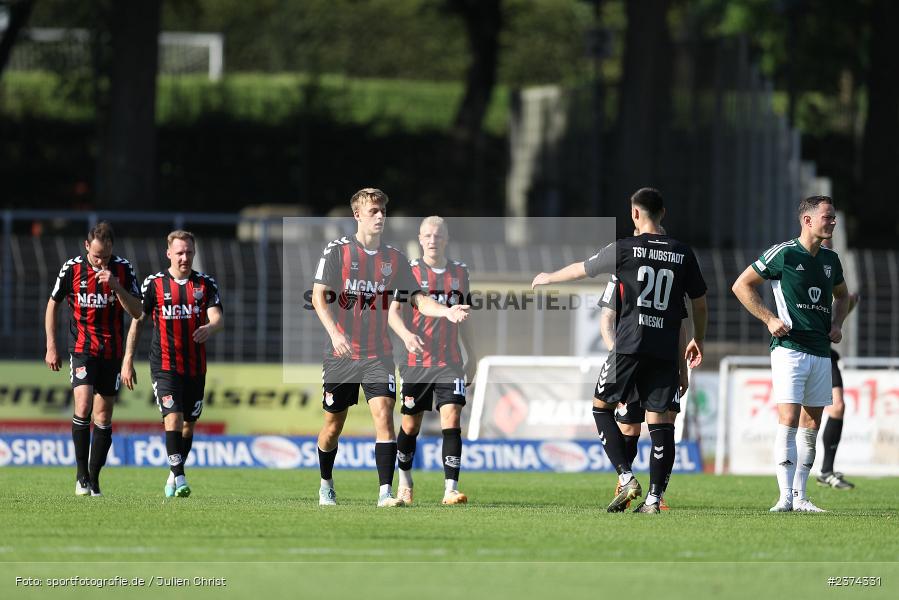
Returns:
(833, 431)
(173, 449)
(611, 438)
(659, 456)
(81, 438)
(669, 456)
(405, 449)
(385, 459)
(186, 444)
(326, 462)
(100, 444)
(630, 447)
(452, 453)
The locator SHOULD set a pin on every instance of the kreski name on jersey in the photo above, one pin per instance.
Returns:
(652, 321)
(656, 254)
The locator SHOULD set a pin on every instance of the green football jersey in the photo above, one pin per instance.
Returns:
(803, 289)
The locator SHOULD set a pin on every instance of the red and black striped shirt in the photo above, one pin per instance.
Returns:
(363, 283)
(96, 326)
(448, 286)
(178, 308)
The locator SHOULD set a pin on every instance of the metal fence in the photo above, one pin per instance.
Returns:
(250, 273)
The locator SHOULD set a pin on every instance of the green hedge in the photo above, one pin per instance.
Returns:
(387, 105)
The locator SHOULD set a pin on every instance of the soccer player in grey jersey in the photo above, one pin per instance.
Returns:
(812, 302)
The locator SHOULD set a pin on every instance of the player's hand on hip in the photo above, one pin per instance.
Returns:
(457, 313)
(540, 279)
(693, 355)
(414, 344)
(836, 334)
(342, 347)
(52, 360)
(129, 377)
(777, 328)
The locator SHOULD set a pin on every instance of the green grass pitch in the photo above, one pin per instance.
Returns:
(521, 535)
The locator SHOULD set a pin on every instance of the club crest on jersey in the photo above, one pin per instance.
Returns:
(81, 372)
(827, 270)
(386, 269)
(198, 294)
(814, 293)
(409, 401)
(454, 283)
(168, 401)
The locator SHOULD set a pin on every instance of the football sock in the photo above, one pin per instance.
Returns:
(405, 453)
(805, 458)
(100, 445)
(385, 459)
(186, 444)
(81, 438)
(173, 449)
(450, 485)
(326, 464)
(833, 431)
(630, 448)
(785, 459)
(612, 440)
(669, 456)
(658, 459)
(452, 453)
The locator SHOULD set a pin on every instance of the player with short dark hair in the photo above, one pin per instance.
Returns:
(432, 372)
(186, 310)
(100, 287)
(812, 301)
(356, 281)
(656, 272)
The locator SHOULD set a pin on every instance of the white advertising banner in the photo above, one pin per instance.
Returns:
(870, 440)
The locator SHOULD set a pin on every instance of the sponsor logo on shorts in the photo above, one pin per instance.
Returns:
(168, 401)
(409, 401)
(329, 398)
(81, 372)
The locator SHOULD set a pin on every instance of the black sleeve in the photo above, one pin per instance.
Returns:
(328, 270)
(212, 294)
(404, 283)
(62, 284)
(601, 262)
(149, 295)
(131, 280)
(610, 297)
(694, 284)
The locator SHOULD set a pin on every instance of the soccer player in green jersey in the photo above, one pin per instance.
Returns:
(812, 302)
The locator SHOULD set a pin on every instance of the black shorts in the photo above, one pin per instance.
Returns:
(630, 413)
(176, 393)
(835, 375)
(342, 377)
(421, 386)
(654, 380)
(104, 374)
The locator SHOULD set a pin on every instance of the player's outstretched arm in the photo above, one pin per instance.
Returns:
(431, 308)
(839, 310)
(52, 357)
(216, 323)
(572, 272)
(339, 341)
(129, 376)
(693, 353)
(744, 289)
(412, 342)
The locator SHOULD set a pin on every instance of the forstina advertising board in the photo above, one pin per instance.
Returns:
(240, 399)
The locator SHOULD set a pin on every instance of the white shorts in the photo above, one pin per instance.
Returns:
(800, 378)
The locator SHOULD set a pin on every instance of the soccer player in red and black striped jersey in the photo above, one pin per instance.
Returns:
(435, 372)
(356, 281)
(99, 287)
(186, 311)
